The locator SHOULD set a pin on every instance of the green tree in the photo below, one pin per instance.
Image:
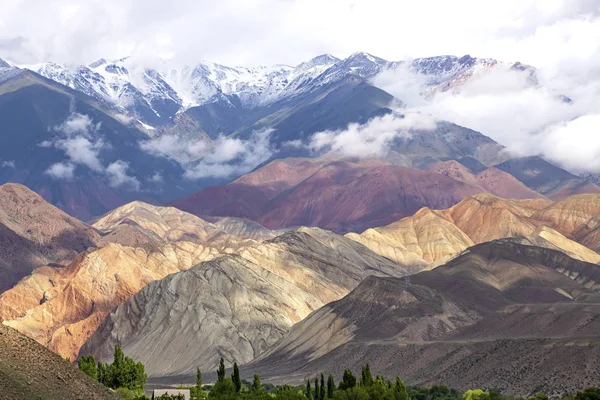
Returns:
(353, 393)
(235, 377)
(322, 388)
(348, 380)
(101, 373)
(399, 390)
(330, 387)
(308, 390)
(221, 371)
(317, 390)
(476, 394)
(123, 373)
(541, 396)
(196, 392)
(256, 386)
(223, 390)
(366, 378)
(591, 393)
(287, 393)
(87, 365)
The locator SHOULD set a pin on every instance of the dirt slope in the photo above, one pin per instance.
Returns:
(30, 371)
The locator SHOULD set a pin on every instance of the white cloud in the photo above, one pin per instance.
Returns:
(574, 144)
(526, 115)
(117, 176)
(156, 178)
(372, 139)
(78, 138)
(61, 171)
(176, 147)
(81, 150)
(78, 124)
(7, 164)
(227, 157)
(274, 31)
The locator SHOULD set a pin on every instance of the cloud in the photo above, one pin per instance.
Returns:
(61, 170)
(574, 144)
(275, 31)
(7, 164)
(78, 138)
(117, 176)
(530, 116)
(156, 178)
(177, 148)
(227, 157)
(372, 139)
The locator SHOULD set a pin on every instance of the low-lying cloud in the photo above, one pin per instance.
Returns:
(118, 177)
(79, 138)
(550, 113)
(223, 157)
(372, 139)
(61, 170)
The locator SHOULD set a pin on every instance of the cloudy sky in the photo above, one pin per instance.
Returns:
(538, 32)
(559, 37)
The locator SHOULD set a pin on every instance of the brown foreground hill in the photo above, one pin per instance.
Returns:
(30, 371)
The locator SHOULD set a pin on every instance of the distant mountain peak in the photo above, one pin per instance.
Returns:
(323, 59)
(98, 63)
(364, 56)
(4, 64)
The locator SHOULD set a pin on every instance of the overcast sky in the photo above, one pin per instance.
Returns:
(559, 37)
(538, 32)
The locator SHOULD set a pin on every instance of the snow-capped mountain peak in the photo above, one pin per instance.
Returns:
(156, 94)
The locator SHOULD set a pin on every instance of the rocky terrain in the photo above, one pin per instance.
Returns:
(238, 305)
(62, 305)
(28, 371)
(522, 306)
(178, 291)
(340, 195)
(34, 233)
(433, 236)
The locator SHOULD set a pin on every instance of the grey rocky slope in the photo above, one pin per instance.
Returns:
(236, 306)
(521, 304)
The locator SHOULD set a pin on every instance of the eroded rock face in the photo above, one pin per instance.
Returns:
(501, 301)
(571, 213)
(424, 238)
(61, 307)
(34, 233)
(164, 224)
(236, 306)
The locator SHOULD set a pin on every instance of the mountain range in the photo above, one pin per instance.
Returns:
(178, 292)
(196, 213)
(91, 138)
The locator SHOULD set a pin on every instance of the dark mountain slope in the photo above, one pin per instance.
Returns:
(546, 178)
(499, 297)
(32, 111)
(30, 371)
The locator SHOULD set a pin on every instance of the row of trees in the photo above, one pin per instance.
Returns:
(123, 374)
(367, 388)
(128, 379)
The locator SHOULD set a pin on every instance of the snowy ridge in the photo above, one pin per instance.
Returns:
(156, 95)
